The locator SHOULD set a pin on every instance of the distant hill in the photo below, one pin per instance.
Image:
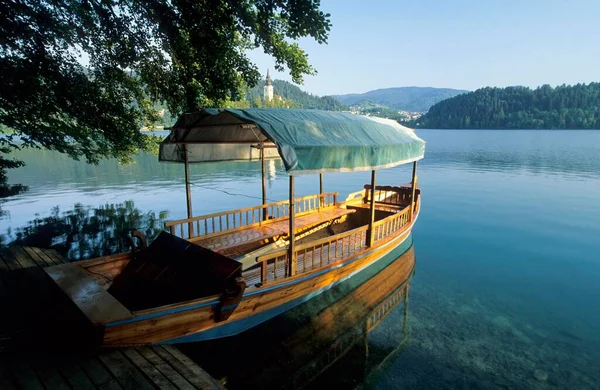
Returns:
(300, 99)
(413, 99)
(563, 107)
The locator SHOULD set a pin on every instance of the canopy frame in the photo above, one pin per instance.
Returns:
(300, 144)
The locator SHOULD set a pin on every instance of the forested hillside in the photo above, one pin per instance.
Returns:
(413, 99)
(563, 107)
(298, 97)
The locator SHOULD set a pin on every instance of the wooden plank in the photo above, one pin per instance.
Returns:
(4, 268)
(244, 235)
(99, 374)
(24, 376)
(74, 375)
(35, 257)
(168, 371)
(42, 255)
(186, 367)
(49, 375)
(148, 369)
(58, 259)
(291, 271)
(9, 259)
(370, 232)
(124, 371)
(96, 303)
(23, 257)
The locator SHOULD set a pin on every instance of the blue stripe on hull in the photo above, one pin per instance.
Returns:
(233, 328)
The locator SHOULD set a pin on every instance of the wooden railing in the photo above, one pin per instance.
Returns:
(389, 226)
(316, 254)
(223, 222)
(390, 195)
(385, 307)
(312, 255)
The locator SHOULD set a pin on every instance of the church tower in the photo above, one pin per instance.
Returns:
(268, 94)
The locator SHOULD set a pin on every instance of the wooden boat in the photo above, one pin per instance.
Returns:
(328, 341)
(217, 275)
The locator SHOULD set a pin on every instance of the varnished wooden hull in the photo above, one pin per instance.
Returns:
(195, 321)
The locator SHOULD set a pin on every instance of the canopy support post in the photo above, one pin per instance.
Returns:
(321, 200)
(292, 234)
(370, 232)
(413, 190)
(264, 181)
(188, 192)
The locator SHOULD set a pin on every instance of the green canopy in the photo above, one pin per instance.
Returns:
(308, 141)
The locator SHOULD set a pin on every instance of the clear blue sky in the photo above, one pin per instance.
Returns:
(463, 44)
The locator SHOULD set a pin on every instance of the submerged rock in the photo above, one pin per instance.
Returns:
(540, 375)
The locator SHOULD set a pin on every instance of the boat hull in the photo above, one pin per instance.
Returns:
(196, 321)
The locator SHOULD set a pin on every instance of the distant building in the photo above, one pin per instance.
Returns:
(268, 94)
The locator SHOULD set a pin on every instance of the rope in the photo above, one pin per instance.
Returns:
(232, 193)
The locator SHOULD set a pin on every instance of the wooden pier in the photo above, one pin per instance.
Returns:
(43, 340)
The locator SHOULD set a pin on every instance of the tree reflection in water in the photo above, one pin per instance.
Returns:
(7, 190)
(87, 232)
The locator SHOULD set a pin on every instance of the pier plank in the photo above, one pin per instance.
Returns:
(53, 254)
(74, 374)
(124, 371)
(49, 375)
(96, 303)
(4, 268)
(24, 376)
(22, 257)
(186, 366)
(35, 257)
(29, 298)
(165, 369)
(99, 375)
(42, 255)
(9, 259)
(149, 369)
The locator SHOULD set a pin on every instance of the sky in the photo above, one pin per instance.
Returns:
(462, 44)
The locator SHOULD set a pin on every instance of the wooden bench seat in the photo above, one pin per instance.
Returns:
(270, 230)
(98, 305)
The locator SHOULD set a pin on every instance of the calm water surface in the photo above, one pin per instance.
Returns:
(505, 293)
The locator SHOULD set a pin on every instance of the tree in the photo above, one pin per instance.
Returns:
(81, 76)
(563, 107)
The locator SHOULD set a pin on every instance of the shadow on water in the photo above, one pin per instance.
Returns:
(334, 340)
(85, 232)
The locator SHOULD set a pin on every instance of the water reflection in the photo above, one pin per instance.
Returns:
(45, 167)
(327, 341)
(6, 191)
(552, 152)
(85, 232)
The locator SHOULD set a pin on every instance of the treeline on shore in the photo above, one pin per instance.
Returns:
(562, 107)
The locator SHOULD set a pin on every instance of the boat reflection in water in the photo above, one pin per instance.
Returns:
(324, 342)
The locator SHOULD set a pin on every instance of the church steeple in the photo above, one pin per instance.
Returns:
(268, 91)
(269, 78)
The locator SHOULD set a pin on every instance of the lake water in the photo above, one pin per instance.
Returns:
(506, 292)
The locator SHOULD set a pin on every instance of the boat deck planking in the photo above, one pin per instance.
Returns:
(26, 296)
(227, 242)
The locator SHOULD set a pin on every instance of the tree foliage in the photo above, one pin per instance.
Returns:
(81, 76)
(563, 107)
